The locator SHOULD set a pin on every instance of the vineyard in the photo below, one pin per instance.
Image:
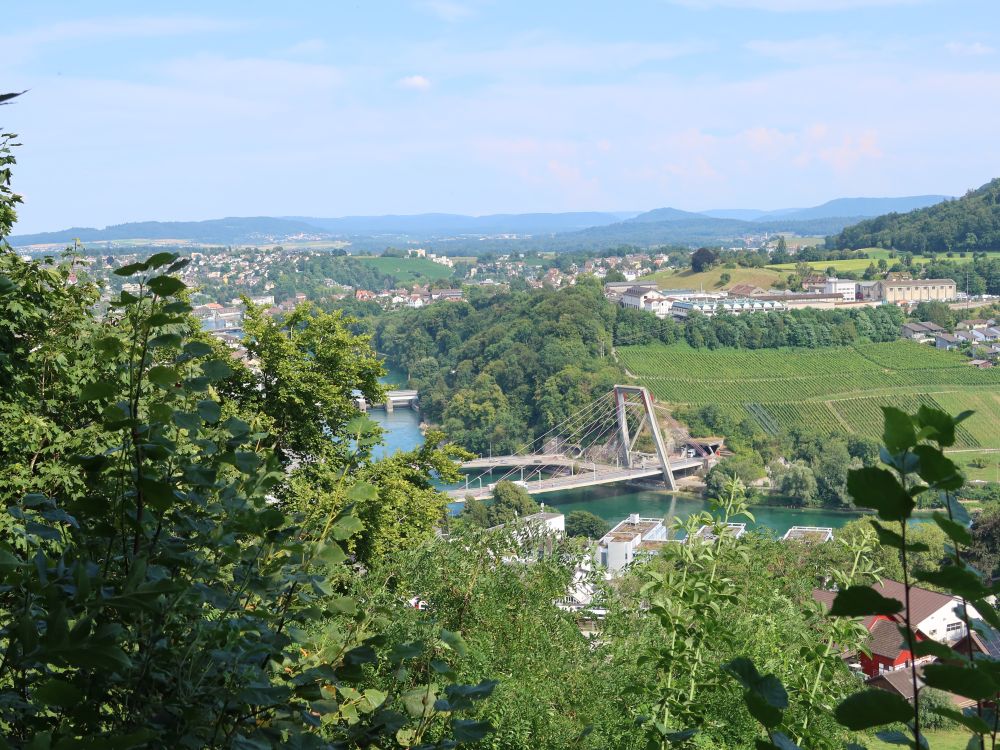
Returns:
(830, 389)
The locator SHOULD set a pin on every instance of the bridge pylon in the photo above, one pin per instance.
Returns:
(632, 396)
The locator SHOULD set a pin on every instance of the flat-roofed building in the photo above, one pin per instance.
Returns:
(620, 546)
(808, 534)
(907, 291)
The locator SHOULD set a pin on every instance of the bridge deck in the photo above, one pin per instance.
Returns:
(603, 475)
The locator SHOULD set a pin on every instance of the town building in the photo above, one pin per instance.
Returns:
(934, 616)
(683, 309)
(629, 538)
(846, 288)
(923, 331)
(911, 291)
(946, 341)
(648, 300)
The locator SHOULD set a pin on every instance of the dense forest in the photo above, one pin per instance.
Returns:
(970, 223)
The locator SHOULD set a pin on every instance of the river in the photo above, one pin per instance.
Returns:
(613, 502)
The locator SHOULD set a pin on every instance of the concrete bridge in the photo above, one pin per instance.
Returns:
(393, 399)
(582, 474)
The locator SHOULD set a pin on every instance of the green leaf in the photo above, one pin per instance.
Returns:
(872, 708)
(159, 495)
(898, 434)
(933, 648)
(99, 390)
(210, 411)
(454, 641)
(860, 601)
(6, 286)
(879, 489)
(131, 269)
(163, 375)
(330, 553)
(761, 710)
(216, 369)
(467, 730)
(197, 349)
(941, 423)
(343, 605)
(55, 692)
(96, 656)
(346, 527)
(971, 721)
(167, 340)
(417, 700)
(958, 580)
(955, 531)
(938, 470)
(362, 491)
(967, 681)
(783, 742)
(160, 259)
(165, 286)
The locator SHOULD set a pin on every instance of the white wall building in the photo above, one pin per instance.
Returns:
(846, 288)
(646, 299)
(620, 546)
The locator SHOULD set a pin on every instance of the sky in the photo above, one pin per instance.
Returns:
(191, 110)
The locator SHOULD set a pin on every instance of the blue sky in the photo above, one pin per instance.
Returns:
(195, 110)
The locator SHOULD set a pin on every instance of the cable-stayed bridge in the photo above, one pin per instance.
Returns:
(615, 438)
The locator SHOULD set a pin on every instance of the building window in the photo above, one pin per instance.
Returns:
(955, 627)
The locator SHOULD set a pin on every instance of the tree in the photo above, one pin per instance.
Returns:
(725, 278)
(798, 482)
(702, 259)
(984, 552)
(782, 245)
(309, 368)
(935, 312)
(167, 601)
(614, 275)
(510, 502)
(586, 524)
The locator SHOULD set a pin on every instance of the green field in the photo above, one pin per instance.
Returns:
(839, 388)
(860, 264)
(938, 739)
(407, 270)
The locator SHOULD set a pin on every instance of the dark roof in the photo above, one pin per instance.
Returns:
(900, 681)
(886, 640)
(923, 602)
(639, 290)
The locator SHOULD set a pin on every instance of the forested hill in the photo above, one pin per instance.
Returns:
(969, 223)
(495, 372)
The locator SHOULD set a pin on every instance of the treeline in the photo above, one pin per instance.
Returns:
(498, 372)
(970, 223)
(802, 328)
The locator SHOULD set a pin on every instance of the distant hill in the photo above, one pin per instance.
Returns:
(221, 231)
(431, 225)
(839, 207)
(855, 207)
(969, 223)
(265, 229)
(683, 228)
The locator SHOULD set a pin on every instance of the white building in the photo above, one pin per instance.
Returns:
(629, 538)
(649, 300)
(709, 307)
(846, 288)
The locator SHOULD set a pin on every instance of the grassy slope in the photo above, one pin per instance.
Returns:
(407, 269)
(942, 739)
(709, 280)
(825, 389)
(861, 264)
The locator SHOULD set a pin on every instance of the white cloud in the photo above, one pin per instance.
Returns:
(783, 6)
(417, 83)
(969, 49)
(805, 50)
